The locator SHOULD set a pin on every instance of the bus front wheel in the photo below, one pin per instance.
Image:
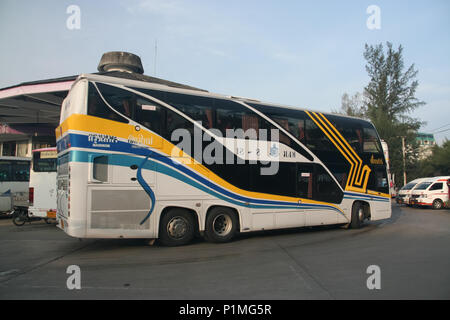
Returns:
(358, 215)
(177, 227)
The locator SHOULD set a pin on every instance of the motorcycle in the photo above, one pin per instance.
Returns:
(20, 215)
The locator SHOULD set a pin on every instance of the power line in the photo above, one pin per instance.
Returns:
(441, 127)
(442, 131)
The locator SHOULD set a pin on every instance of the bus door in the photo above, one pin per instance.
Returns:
(316, 184)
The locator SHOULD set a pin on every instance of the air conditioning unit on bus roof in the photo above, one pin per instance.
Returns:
(120, 61)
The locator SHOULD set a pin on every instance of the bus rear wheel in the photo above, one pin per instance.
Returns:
(177, 227)
(221, 225)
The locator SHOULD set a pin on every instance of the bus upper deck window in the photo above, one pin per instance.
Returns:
(98, 108)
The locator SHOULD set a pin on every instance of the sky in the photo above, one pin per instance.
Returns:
(305, 54)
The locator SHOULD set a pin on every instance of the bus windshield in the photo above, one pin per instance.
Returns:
(44, 161)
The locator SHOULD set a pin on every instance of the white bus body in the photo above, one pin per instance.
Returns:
(432, 193)
(14, 179)
(42, 191)
(123, 180)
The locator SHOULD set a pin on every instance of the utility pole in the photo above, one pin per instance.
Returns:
(404, 160)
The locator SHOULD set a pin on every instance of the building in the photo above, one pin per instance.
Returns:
(29, 112)
(426, 143)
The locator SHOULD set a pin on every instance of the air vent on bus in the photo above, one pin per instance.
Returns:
(120, 61)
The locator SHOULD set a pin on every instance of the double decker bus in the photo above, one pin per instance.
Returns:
(146, 160)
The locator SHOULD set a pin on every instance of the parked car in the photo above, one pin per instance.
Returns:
(432, 193)
(404, 193)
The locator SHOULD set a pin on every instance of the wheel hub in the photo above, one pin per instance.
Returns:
(222, 225)
(361, 214)
(177, 227)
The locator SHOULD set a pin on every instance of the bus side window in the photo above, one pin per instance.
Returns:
(282, 183)
(100, 168)
(98, 108)
(195, 107)
(313, 182)
(175, 122)
(5, 170)
(327, 189)
(21, 171)
(315, 138)
(233, 116)
(305, 175)
(150, 115)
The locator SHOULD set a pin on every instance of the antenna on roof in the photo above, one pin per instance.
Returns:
(156, 51)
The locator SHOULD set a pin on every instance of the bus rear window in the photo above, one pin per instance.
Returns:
(13, 170)
(43, 162)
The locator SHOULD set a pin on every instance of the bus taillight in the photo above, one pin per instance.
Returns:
(30, 196)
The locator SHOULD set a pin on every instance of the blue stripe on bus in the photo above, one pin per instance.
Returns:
(125, 160)
(358, 196)
(82, 141)
(146, 187)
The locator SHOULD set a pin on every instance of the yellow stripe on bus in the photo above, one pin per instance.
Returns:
(90, 124)
(365, 168)
(356, 164)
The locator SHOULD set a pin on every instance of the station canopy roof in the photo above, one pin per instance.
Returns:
(39, 102)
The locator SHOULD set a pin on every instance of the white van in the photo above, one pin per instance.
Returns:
(404, 194)
(42, 191)
(432, 192)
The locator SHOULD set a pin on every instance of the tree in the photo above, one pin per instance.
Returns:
(353, 106)
(389, 99)
(436, 165)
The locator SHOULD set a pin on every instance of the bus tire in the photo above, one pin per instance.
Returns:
(438, 204)
(357, 215)
(176, 228)
(221, 225)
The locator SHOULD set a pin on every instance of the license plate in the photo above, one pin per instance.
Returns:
(51, 214)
